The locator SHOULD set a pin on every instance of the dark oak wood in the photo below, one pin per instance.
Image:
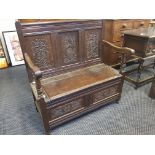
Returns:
(113, 32)
(64, 61)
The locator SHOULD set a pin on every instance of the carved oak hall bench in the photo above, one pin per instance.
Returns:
(65, 69)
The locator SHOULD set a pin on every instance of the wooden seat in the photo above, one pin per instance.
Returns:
(74, 81)
(64, 61)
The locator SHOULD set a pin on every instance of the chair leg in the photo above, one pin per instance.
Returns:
(139, 70)
(152, 90)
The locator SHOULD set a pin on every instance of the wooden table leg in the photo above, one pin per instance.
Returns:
(152, 90)
(140, 67)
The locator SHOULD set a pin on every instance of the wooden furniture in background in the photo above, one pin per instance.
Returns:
(65, 69)
(143, 42)
(113, 32)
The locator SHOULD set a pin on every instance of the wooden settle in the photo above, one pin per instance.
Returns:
(64, 61)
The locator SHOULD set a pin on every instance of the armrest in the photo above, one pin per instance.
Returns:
(37, 72)
(123, 51)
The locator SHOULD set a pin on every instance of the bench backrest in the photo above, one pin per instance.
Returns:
(60, 46)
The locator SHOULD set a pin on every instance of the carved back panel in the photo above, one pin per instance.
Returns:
(69, 43)
(40, 50)
(58, 47)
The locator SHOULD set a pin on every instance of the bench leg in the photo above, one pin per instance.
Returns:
(44, 113)
(47, 132)
(34, 99)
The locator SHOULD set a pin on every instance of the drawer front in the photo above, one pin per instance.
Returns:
(66, 108)
(106, 93)
(118, 36)
(123, 25)
(141, 23)
(119, 27)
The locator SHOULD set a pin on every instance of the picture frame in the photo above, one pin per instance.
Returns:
(13, 47)
(1, 50)
(3, 61)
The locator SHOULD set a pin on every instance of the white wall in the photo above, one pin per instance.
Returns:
(6, 25)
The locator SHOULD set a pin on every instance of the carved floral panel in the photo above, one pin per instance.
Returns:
(41, 51)
(69, 43)
(105, 93)
(66, 108)
(92, 39)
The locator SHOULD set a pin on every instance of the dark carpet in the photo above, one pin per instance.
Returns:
(135, 114)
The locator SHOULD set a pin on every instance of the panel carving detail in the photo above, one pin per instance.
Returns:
(92, 43)
(66, 108)
(105, 93)
(40, 52)
(69, 43)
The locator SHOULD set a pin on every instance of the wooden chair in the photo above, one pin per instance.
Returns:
(123, 52)
(65, 68)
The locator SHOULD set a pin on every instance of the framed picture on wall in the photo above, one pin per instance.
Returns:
(13, 47)
(3, 62)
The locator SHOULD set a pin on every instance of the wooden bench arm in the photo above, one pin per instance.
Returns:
(123, 51)
(37, 74)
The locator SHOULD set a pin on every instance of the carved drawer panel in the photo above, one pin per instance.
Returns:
(66, 108)
(105, 93)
